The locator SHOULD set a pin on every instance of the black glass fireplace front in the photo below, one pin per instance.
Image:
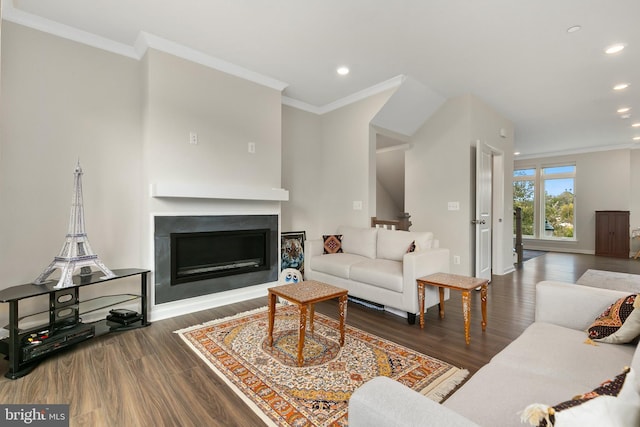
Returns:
(203, 255)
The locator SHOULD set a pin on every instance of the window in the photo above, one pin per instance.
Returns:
(524, 186)
(547, 197)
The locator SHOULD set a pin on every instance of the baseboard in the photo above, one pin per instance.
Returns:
(191, 305)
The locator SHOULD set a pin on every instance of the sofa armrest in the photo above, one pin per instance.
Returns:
(418, 264)
(570, 305)
(384, 402)
(424, 262)
(313, 247)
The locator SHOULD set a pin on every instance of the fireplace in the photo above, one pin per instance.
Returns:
(207, 254)
(200, 255)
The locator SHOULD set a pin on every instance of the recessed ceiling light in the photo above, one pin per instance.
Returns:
(636, 138)
(614, 48)
(621, 86)
(517, 153)
(623, 110)
(574, 28)
(343, 71)
(636, 125)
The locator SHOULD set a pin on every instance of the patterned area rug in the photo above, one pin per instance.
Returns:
(317, 393)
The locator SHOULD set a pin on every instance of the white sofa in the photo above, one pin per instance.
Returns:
(548, 363)
(374, 265)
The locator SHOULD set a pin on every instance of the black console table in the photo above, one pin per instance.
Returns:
(35, 336)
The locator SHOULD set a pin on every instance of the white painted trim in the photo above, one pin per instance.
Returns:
(559, 249)
(301, 105)
(585, 150)
(143, 42)
(403, 147)
(358, 96)
(392, 83)
(147, 40)
(507, 270)
(209, 191)
(9, 13)
(191, 305)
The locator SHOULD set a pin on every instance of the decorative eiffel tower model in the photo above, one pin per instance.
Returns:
(76, 252)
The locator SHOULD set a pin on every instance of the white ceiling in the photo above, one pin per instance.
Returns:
(516, 55)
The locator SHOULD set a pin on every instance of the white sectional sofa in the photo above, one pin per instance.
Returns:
(374, 265)
(549, 363)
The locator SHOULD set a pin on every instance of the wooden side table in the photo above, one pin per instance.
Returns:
(459, 283)
(306, 294)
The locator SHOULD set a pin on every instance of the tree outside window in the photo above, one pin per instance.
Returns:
(559, 199)
(524, 198)
(547, 198)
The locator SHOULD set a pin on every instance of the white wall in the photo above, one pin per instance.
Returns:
(302, 171)
(328, 166)
(439, 169)
(61, 102)
(492, 128)
(386, 207)
(605, 180)
(390, 183)
(128, 121)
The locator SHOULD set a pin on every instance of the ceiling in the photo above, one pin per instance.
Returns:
(516, 55)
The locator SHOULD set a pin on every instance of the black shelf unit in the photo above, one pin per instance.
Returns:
(62, 321)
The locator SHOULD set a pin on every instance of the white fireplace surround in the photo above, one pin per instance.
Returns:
(212, 191)
(262, 200)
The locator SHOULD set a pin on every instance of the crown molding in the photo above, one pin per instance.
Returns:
(143, 42)
(358, 96)
(11, 14)
(300, 105)
(147, 40)
(585, 150)
(392, 83)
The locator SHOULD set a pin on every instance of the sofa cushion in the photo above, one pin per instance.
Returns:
(613, 318)
(382, 273)
(338, 265)
(393, 244)
(514, 388)
(359, 241)
(635, 362)
(615, 402)
(551, 350)
(332, 244)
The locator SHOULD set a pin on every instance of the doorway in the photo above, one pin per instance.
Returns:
(390, 177)
(488, 224)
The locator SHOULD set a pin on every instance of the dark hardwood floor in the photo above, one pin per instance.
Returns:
(148, 377)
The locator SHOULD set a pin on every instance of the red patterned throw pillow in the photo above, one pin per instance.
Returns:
(332, 244)
(612, 318)
(412, 247)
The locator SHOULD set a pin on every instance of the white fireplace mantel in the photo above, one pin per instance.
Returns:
(212, 191)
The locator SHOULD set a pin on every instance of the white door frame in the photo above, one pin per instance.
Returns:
(493, 216)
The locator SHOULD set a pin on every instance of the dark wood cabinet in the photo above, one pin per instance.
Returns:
(612, 233)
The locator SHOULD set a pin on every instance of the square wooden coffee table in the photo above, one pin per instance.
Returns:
(305, 294)
(460, 283)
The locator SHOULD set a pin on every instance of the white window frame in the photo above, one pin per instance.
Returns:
(539, 196)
